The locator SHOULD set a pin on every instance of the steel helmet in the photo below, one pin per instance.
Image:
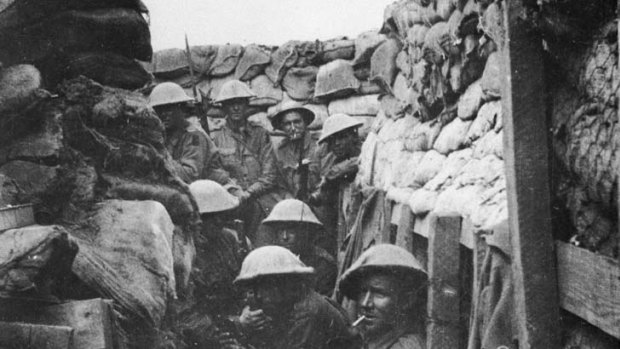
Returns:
(168, 93)
(292, 210)
(306, 114)
(234, 89)
(337, 123)
(382, 257)
(212, 197)
(271, 261)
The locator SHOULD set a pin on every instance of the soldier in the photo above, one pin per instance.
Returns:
(389, 286)
(338, 154)
(219, 253)
(284, 312)
(193, 153)
(294, 153)
(247, 155)
(295, 228)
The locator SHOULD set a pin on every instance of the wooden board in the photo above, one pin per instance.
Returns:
(444, 291)
(91, 319)
(466, 236)
(526, 156)
(589, 286)
(16, 217)
(19, 335)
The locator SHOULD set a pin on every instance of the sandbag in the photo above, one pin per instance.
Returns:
(452, 137)
(209, 89)
(356, 105)
(423, 136)
(33, 179)
(309, 53)
(299, 83)
(399, 195)
(253, 62)
(403, 63)
(107, 68)
(183, 255)
(429, 166)
(366, 121)
(118, 30)
(365, 45)
(383, 68)
(169, 64)
(367, 160)
(404, 165)
(491, 143)
(450, 169)
(321, 114)
(470, 101)
(393, 107)
(19, 85)
(491, 82)
(463, 201)
(444, 8)
(336, 80)
(203, 57)
(492, 23)
(437, 43)
(33, 259)
(488, 115)
(226, 60)
(339, 48)
(416, 35)
(480, 171)
(422, 201)
(125, 253)
(282, 59)
(401, 89)
(43, 146)
(10, 192)
(369, 88)
(267, 94)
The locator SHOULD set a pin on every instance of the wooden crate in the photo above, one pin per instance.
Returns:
(16, 216)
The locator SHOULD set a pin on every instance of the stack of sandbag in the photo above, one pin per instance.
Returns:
(65, 39)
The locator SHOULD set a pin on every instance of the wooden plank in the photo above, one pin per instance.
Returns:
(91, 319)
(422, 227)
(526, 155)
(444, 329)
(402, 217)
(16, 216)
(26, 336)
(589, 286)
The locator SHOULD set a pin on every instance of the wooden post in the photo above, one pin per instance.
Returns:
(526, 156)
(444, 291)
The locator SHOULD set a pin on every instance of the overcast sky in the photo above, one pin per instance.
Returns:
(270, 22)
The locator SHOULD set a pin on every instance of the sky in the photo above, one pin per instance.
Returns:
(269, 22)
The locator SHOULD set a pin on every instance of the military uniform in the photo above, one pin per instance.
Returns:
(325, 268)
(397, 339)
(287, 154)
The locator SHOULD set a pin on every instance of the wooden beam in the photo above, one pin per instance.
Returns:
(19, 335)
(444, 330)
(589, 286)
(526, 155)
(422, 226)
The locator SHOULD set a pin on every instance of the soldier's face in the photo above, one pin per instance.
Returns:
(379, 301)
(293, 125)
(172, 115)
(275, 296)
(342, 144)
(236, 109)
(292, 237)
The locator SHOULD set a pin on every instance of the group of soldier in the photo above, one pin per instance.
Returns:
(273, 221)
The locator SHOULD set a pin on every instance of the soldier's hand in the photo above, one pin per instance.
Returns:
(253, 320)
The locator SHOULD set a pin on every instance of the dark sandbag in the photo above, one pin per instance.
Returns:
(299, 82)
(126, 255)
(33, 179)
(383, 68)
(226, 60)
(340, 48)
(107, 68)
(18, 87)
(34, 259)
(117, 30)
(253, 62)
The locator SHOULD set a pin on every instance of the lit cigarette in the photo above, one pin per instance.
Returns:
(359, 321)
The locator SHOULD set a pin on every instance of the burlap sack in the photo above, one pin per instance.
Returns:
(492, 23)
(253, 62)
(491, 143)
(437, 43)
(463, 201)
(365, 45)
(393, 107)
(403, 63)
(226, 60)
(18, 87)
(282, 59)
(470, 101)
(404, 165)
(335, 80)
(383, 68)
(488, 115)
(356, 105)
(491, 82)
(203, 57)
(416, 35)
(423, 136)
(299, 83)
(445, 8)
(266, 93)
(169, 64)
(429, 166)
(480, 171)
(401, 89)
(422, 201)
(452, 136)
(450, 169)
(339, 48)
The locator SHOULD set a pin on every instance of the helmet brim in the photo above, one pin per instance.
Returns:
(307, 114)
(325, 137)
(349, 284)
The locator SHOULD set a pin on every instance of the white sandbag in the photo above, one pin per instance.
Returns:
(485, 121)
(403, 63)
(18, 87)
(490, 143)
(452, 137)
(401, 89)
(444, 8)
(398, 129)
(491, 81)
(126, 255)
(226, 60)
(320, 115)
(366, 127)
(299, 82)
(450, 169)
(404, 166)
(383, 68)
(480, 171)
(399, 195)
(356, 105)
(282, 59)
(498, 145)
(253, 62)
(336, 79)
(416, 35)
(470, 101)
(365, 45)
(339, 48)
(267, 94)
(423, 136)
(169, 63)
(422, 201)
(429, 167)
(393, 107)
(493, 208)
(460, 200)
(183, 254)
(261, 119)
(369, 88)
(367, 160)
